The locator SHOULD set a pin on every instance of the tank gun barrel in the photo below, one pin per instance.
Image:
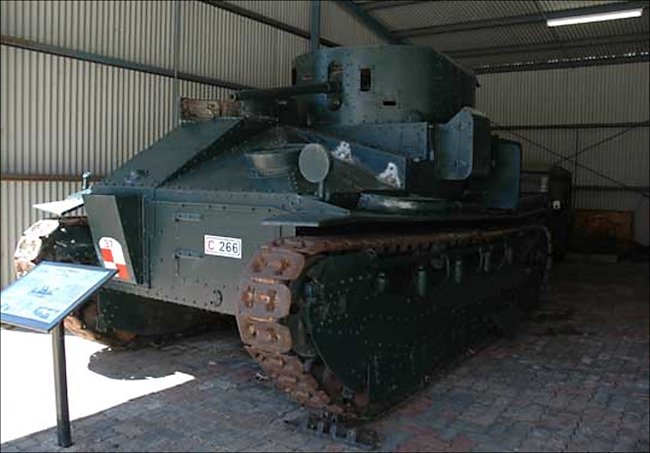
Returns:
(286, 92)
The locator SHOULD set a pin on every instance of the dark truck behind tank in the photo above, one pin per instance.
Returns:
(555, 184)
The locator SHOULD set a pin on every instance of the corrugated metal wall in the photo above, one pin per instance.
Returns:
(293, 13)
(17, 213)
(581, 96)
(221, 44)
(592, 94)
(61, 116)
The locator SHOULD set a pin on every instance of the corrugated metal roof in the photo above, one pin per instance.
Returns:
(458, 26)
(559, 5)
(516, 35)
(485, 38)
(426, 14)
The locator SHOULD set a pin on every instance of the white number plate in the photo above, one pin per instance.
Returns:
(222, 246)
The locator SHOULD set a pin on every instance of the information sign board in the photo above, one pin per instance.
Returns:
(49, 292)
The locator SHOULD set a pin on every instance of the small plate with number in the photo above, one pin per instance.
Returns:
(222, 246)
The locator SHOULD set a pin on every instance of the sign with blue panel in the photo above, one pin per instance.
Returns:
(49, 292)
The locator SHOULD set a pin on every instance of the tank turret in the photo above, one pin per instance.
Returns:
(370, 85)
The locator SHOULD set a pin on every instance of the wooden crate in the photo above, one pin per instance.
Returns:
(602, 231)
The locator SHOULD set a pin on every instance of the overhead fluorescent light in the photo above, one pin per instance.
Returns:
(599, 17)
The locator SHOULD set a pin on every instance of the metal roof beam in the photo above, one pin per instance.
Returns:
(314, 24)
(115, 62)
(516, 20)
(385, 4)
(573, 63)
(630, 38)
(523, 127)
(369, 21)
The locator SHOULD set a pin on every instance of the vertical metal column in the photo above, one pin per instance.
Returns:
(314, 27)
(175, 89)
(575, 167)
(61, 386)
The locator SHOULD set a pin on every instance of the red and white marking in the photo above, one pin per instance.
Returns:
(113, 257)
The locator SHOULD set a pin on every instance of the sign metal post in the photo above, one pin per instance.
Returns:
(61, 387)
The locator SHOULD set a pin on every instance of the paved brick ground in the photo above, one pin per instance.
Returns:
(575, 378)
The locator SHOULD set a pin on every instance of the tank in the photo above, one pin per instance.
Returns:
(363, 226)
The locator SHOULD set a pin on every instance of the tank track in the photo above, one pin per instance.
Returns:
(274, 290)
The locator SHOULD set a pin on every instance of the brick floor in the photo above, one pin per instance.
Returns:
(575, 378)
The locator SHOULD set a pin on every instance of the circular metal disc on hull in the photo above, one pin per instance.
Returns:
(314, 162)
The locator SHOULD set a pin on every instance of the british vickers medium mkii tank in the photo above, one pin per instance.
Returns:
(363, 226)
